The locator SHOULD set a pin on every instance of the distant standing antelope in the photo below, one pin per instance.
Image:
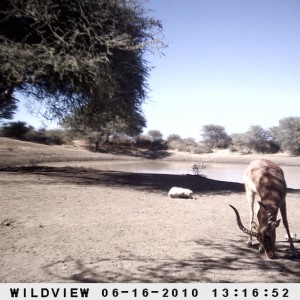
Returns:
(265, 178)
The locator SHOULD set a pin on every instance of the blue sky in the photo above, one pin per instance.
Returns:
(234, 63)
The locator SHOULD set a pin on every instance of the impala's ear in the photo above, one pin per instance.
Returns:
(276, 224)
(273, 226)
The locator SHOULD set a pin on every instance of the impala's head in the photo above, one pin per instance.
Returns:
(265, 231)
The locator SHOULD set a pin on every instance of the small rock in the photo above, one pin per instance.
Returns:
(6, 223)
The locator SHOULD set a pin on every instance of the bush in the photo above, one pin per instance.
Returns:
(155, 135)
(202, 149)
(143, 141)
(287, 135)
(256, 139)
(16, 130)
(198, 168)
(182, 146)
(56, 137)
(260, 140)
(48, 137)
(147, 142)
(93, 140)
(23, 131)
(175, 142)
(215, 136)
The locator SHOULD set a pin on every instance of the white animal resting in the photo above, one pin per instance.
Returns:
(265, 178)
(178, 192)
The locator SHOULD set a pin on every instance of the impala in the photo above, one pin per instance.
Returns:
(265, 178)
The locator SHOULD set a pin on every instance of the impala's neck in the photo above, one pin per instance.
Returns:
(272, 198)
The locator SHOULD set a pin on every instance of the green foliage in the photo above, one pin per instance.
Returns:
(94, 140)
(175, 142)
(50, 137)
(239, 143)
(202, 149)
(260, 140)
(77, 57)
(187, 145)
(147, 142)
(287, 135)
(98, 128)
(155, 135)
(22, 131)
(8, 109)
(215, 136)
(256, 139)
(16, 130)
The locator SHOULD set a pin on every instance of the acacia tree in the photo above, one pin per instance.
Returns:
(99, 127)
(256, 139)
(155, 135)
(8, 109)
(215, 136)
(287, 134)
(76, 56)
(260, 140)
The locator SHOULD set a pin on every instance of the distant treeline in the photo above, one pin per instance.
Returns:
(282, 138)
(285, 137)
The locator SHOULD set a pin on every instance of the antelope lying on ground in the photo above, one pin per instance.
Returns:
(265, 178)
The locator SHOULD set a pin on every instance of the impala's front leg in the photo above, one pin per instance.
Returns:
(294, 252)
(250, 194)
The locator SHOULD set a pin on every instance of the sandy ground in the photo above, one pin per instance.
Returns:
(81, 225)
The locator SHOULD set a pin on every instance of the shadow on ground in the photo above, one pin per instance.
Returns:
(138, 181)
(232, 262)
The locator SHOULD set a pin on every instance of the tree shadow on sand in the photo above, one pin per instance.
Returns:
(139, 181)
(213, 261)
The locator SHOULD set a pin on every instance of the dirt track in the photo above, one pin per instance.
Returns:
(77, 225)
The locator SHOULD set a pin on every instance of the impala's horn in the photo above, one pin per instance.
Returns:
(240, 224)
